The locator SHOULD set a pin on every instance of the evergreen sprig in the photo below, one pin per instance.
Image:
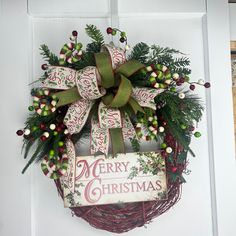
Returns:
(95, 34)
(50, 57)
(140, 52)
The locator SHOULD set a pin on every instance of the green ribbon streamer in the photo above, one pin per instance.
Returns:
(117, 141)
(121, 97)
(129, 68)
(104, 66)
(67, 96)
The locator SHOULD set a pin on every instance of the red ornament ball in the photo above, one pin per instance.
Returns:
(174, 169)
(42, 126)
(43, 138)
(163, 153)
(178, 83)
(207, 85)
(192, 86)
(58, 129)
(74, 33)
(44, 66)
(181, 80)
(109, 30)
(19, 132)
(61, 149)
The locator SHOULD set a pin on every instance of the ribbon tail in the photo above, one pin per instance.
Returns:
(99, 141)
(128, 128)
(145, 96)
(77, 115)
(117, 141)
(68, 179)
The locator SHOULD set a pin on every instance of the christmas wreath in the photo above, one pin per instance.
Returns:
(113, 94)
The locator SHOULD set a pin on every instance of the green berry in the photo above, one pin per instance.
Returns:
(51, 153)
(197, 134)
(173, 89)
(113, 32)
(154, 122)
(158, 66)
(161, 86)
(163, 145)
(183, 126)
(152, 79)
(160, 75)
(55, 133)
(60, 144)
(30, 108)
(186, 79)
(123, 34)
(34, 128)
(168, 76)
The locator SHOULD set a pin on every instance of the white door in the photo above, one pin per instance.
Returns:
(30, 205)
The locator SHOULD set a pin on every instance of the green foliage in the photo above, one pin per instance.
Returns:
(95, 34)
(51, 58)
(167, 56)
(140, 52)
(179, 112)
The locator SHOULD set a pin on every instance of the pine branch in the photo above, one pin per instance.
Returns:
(140, 52)
(51, 58)
(95, 34)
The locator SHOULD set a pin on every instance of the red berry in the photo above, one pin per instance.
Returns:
(164, 123)
(163, 153)
(43, 138)
(178, 83)
(62, 126)
(74, 33)
(19, 132)
(44, 66)
(109, 30)
(191, 128)
(58, 129)
(181, 80)
(192, 86)
(174, 169)
(61, 149)
(42, 126)
(207, 85)
(122, 40)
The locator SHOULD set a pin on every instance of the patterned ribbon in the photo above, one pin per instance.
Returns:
(106, 86)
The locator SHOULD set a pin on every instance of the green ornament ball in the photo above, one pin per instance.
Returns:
(183, 126)
(123, 34)
(197, 134)
(30, 108)
(51, 153)
(163, 145)
(113, 32)
(60, 144)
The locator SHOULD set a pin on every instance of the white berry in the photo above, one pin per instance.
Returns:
(175, 76)
(156, 85)
(26, 132)
(161, 129)
(181, 95)
(201, 82)
(169, 150)
(164, 68)
(46, 134)
(52, 126)
(153, 74)
(168, 81)
(149, 68)
(53, 102)
(127, 47)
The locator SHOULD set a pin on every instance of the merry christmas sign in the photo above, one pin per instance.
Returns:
(97, 180)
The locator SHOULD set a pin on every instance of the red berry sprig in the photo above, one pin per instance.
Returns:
(123, 38)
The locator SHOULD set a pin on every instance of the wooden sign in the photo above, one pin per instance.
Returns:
(126, 178)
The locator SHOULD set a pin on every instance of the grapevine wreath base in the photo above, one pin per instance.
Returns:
(120, 218)
(113, 96)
